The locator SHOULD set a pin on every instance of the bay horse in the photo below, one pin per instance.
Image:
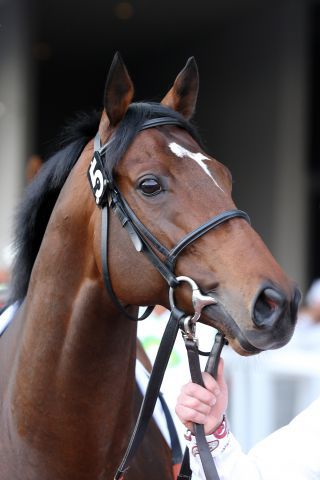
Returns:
(67, 360)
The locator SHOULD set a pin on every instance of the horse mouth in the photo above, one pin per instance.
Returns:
(217, 317)
(243, 348)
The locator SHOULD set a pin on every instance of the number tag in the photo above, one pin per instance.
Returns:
(98, 179)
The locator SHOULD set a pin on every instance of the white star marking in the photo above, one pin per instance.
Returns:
(197, 157)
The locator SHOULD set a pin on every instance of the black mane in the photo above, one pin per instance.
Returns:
(41, 195)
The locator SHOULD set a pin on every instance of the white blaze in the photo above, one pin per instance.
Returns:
(197, 157)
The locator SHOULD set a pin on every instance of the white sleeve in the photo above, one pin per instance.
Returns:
(231, 462)
(291, 452)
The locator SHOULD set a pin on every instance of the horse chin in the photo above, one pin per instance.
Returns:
(243, 350)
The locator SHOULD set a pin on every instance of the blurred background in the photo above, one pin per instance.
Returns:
(258, 109)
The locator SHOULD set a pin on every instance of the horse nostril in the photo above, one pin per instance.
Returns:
(268, 307)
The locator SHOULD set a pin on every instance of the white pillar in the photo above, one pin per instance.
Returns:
(14, 81)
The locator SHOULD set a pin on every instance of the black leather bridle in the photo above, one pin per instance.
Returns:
(108, 197)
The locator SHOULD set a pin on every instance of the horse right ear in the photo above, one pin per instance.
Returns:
(183, 95)
(118, 91)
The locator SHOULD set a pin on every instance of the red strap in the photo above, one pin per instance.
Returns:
(176, 470)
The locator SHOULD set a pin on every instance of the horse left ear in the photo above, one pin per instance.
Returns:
(118, 92)
(182, 97)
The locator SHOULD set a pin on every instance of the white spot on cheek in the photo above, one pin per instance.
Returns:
(197, 157)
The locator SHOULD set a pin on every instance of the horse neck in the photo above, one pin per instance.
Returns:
(77, 354)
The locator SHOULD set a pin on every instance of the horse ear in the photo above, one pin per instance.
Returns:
(183, 95)
(118, 91)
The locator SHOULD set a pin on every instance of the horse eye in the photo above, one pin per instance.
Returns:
(150, 186)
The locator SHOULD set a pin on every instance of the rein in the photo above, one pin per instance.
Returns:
(108, 196)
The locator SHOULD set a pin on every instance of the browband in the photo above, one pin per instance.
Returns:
(157, 122)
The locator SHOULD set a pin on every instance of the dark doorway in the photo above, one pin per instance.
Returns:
(314, 163)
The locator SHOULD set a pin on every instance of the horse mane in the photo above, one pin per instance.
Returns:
(40, 196)
(36, 207)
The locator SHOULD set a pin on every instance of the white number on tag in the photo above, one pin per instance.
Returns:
(96, 179)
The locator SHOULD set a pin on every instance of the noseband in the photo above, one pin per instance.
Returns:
(107, 195)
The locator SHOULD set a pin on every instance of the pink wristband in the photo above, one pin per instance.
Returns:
(217, 441)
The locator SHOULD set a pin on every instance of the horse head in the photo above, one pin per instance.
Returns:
(172, 186)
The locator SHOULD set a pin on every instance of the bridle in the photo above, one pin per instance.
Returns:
(108, 197)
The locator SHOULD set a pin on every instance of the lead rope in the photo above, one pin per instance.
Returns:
(187, 324)
(153, 389)
(206, 458)
(177, 320)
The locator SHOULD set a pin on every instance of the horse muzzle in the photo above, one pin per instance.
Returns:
(273, 318)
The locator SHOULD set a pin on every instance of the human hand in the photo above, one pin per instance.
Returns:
(206, 406)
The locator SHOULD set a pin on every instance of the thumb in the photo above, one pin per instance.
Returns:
(220, 377)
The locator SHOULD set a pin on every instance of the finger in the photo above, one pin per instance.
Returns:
(220, 370)
(188, 415)
(210, 383)
(220, 377)
(200, 393)
(196, 404)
